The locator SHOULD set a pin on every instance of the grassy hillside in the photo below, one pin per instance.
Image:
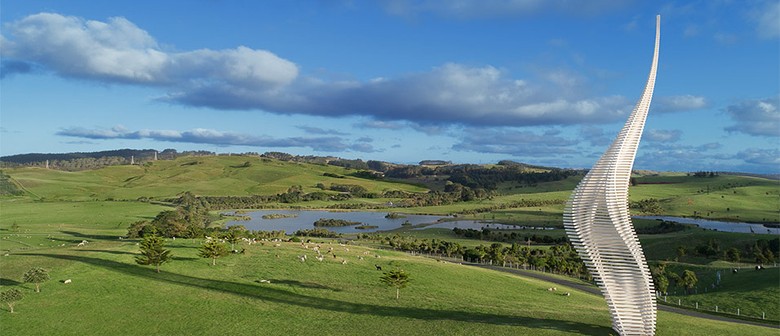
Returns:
(114, 296)
(207, 175)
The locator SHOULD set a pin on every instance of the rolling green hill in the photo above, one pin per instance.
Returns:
(201, 175)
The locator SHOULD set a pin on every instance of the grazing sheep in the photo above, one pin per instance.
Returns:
(343, 261)
(66, 281)
(277, 245)
(320, 258)
(378, 268)
(265, 281)
(302, 258)
(360, 258)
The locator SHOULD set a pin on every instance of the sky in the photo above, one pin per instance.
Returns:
(545, 82)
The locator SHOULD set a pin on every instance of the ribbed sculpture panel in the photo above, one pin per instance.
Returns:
(598, 224)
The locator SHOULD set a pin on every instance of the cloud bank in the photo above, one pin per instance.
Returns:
(219, 138)
(756, 117)
(243, 78)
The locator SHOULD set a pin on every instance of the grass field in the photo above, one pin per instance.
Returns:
(191, 297)
(207, 175)
(113, 295)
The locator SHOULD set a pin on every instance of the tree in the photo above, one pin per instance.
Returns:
(37, 276)
(680, 251)
(732, 254)
(153, 252)
(10, 297)
(395, 278)
(213, 249)
(232, 238)
(689, 280)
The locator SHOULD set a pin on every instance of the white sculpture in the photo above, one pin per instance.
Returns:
(598, 224)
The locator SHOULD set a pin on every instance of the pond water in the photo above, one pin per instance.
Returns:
(304, 219)
(479, 225)
(717, 225)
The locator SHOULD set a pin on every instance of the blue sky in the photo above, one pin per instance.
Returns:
(542, 82)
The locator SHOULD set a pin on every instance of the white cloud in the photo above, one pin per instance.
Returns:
(679, 103)
(215, 137)
(756, 117)
(117, 51)
(655, 135)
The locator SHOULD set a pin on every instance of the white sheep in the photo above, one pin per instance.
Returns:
(66, 281)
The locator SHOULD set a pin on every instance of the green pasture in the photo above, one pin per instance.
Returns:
(752, 292)
(111, 295)
(207, 175)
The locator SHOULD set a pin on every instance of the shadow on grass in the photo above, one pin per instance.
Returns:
(174, 257)
(267, 292)
(9, 282)
(297, 283)
(88, 236)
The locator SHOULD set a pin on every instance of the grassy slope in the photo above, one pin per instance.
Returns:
(113, 295)
(216, 176)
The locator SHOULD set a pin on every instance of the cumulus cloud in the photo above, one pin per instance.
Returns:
(214, 137)
(679, 103)
(469, 9)
(118, 51)
(765, 157)
(655, 135)
(516, 143)
(756, 117)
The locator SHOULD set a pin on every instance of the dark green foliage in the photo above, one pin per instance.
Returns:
(153, 252)
(648, 206)
(662, 227)
(395, 278)
(213, 249)
(11, 297)
(324, 233)
(330, 222)
(689, 280)
(37, 276)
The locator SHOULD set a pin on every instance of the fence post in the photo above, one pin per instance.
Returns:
(678, 302)
(737, 311)
(697, 305)
(665, 298)
(716, 309)
(763, 315)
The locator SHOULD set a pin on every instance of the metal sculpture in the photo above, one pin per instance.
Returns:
(599, 226)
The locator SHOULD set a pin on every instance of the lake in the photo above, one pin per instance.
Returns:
(305, 220)
(718, 225)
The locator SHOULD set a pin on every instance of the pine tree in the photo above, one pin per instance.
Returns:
(153, 252)
(212, 249)
(396, 278)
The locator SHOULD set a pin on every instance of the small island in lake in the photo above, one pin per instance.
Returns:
(277, 216)
(334, 222)
(366, 227)
(394, 215)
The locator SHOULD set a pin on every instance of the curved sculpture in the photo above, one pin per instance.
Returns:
(598, 224)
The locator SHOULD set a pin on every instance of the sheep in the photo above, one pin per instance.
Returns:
(66, 281)
(378, 268)
(320, 258)
(277, 245)
(360, 257)
(343, 261)
(264, 281)
(302, 258)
